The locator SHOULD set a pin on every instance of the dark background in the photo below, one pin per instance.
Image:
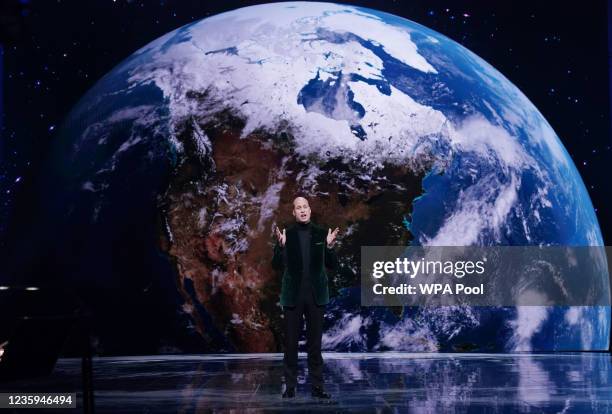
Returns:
(54, 51)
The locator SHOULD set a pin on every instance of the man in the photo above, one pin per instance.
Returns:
(301, 254)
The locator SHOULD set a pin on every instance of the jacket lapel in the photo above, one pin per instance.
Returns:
(315, 257)
(314, 238)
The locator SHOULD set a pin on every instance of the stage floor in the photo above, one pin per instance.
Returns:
(383, 382)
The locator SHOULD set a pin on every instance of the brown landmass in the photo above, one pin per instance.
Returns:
(220, 207)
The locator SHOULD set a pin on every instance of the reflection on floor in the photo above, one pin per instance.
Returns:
(383, 382)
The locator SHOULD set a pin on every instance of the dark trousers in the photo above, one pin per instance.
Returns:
(293, 315)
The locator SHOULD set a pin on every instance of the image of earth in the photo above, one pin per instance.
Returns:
(169, 174)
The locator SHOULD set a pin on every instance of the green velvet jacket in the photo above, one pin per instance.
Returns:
(288, 261)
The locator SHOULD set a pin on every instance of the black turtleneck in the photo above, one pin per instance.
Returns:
(304, 234)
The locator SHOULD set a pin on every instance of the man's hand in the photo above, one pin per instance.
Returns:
(281, 237)
(331, 236)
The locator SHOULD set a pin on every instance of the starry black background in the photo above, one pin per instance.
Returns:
(555, 52)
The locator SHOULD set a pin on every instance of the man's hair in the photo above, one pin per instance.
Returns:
(297, 195)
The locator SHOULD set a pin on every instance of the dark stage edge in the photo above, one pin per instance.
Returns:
(359, 382)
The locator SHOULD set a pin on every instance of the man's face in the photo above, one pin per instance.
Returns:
(301, 210)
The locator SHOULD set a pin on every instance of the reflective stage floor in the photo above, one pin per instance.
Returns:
(383, 382)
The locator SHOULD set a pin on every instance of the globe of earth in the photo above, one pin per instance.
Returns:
(169, 174)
